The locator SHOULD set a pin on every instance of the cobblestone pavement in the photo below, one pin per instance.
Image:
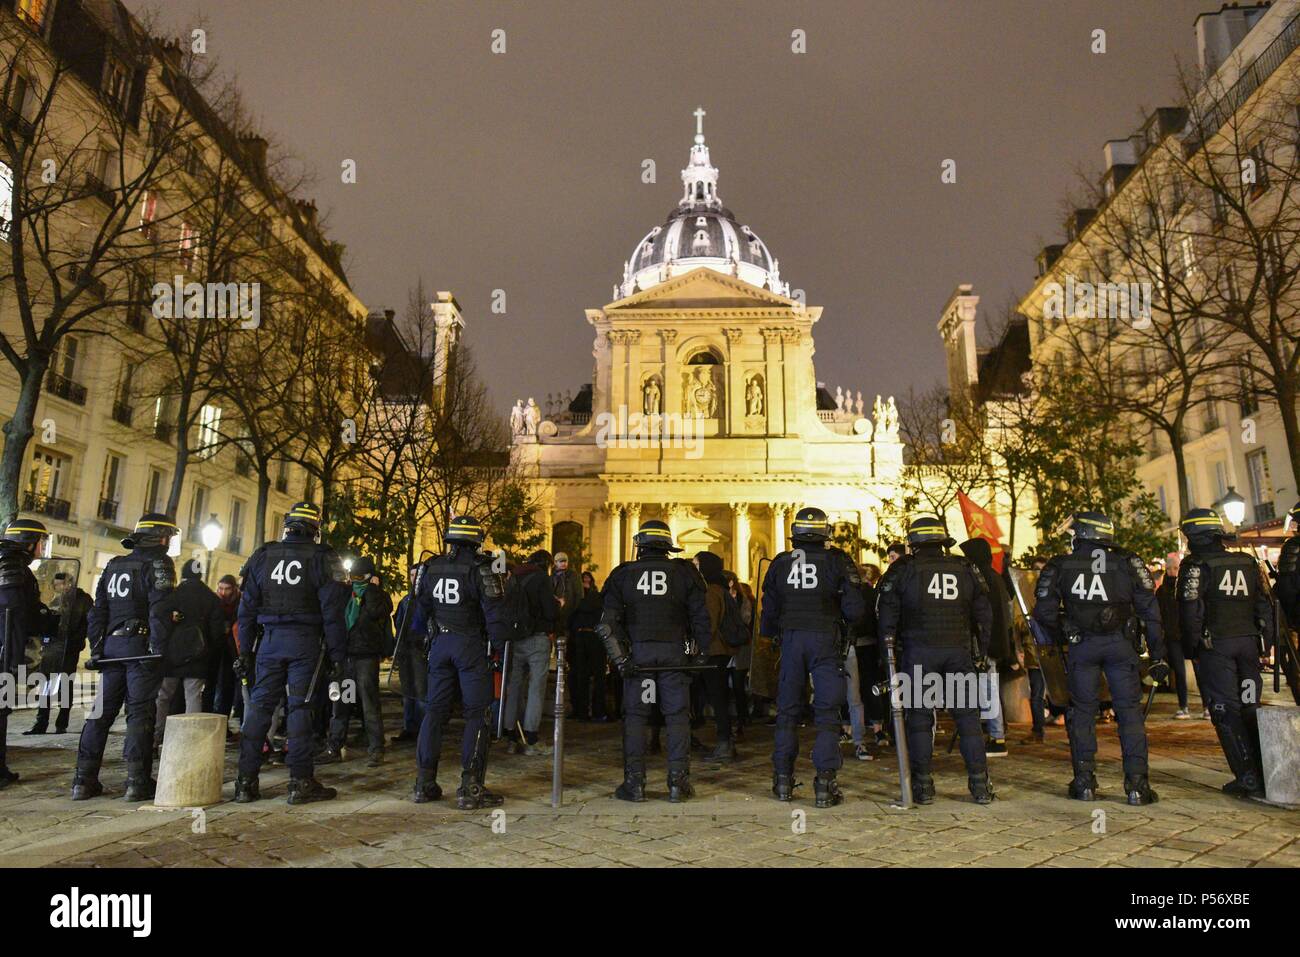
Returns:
(732, 822)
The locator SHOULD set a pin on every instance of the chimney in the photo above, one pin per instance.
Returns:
(169, 49)
(1218, 34)
(1120, 156)
(255, 149)
(307, 210)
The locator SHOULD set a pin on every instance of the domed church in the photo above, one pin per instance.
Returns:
(704, 409)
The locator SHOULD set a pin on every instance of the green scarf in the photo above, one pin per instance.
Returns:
(354, 606)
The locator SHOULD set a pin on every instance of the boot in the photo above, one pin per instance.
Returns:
(783, 787)
(85, 785)
(42, 723)
(981, 789)
(1084, 785)
(827, 789)
(1247, 780)
(632, 788)
(247, 789)
(307, 790)
(7, 777)
(61, 721)
(1249, 787)
(923, 788)
(331, 754)
(426, 787)
(1138, 790)
(140, 787)
(679, 787)
(472, 795)
(723, 752)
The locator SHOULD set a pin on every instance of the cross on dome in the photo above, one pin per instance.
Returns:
(700, 178)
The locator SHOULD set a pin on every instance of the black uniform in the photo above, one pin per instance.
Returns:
(806, 595)
(1225, 610)
(1288, 580)
(938, 606)
(59, 657)
(294, 591)
(658, 602)
(1091, 597)
(122, 625)
(22, 614)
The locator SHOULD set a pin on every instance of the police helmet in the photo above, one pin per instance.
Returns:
(655, 535)
(27, 532)
(153, 528)
(465, 529)
(304, 517)
(1202, 523)
(1092, 525)
(810, 524)
(1292, 518)
(929, 530)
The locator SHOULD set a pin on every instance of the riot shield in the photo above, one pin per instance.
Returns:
(57, 578)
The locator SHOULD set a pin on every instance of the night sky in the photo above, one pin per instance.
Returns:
(522, 171)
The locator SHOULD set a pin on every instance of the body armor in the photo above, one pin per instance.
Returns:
(809, 592)
(945, 589)
(653, 592)
(1231, 589)
(1092, 597)
(14, 570)
(288, 590)
(455, 604)
(128, 579)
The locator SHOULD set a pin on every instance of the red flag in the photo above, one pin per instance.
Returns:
(980, 523)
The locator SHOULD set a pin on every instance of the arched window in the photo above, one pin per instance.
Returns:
(703, 358)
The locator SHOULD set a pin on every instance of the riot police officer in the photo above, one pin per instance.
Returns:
(294, 591)
(1288, 570)
(654, 615)
(1090, 597)
(1225, 610)
(458, 601)
(122, 625)
(938, 604)
(21, 612)
(805, 594)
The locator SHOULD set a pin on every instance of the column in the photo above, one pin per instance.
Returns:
(673, 511)
(633, 512)
(615, 555)
(634, 399)
(672, 376)
(548, 526)
(740, 540)
(777, 510)
(734, 396)
(775, 386)
(617, 373)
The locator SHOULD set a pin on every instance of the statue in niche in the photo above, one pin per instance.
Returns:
(652, 397)
(701, 396)
(754, 397)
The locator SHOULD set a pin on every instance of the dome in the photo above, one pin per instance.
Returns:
(700, 231)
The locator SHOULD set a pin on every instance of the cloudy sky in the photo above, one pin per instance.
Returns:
(521, 171)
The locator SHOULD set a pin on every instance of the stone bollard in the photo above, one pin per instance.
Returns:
(1279, 742)
(193, 758)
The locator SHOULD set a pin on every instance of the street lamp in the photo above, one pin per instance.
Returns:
(211, 534)
(347, 565)
(1233, 507)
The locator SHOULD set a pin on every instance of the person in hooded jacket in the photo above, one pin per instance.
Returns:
(368, 612)
(59, 659)
(1001, 652)
(198, 629)
(719, 652)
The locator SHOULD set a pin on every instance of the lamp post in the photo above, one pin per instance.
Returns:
(211, 534)
(1233, 507)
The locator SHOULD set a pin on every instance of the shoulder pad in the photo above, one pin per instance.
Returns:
(494, 583)
(1047, 579)
(162, 573)
(1140, 570)
(1189, 578)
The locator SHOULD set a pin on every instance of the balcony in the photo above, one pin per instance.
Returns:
(162, 431)
(94, 285)
(42, 504)
(96, 188)
(108, 510)
(23, 128)
(65, 388)
(122, 413)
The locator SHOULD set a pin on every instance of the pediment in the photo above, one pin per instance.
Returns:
(703, 288)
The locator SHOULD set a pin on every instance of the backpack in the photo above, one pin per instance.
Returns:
(514, 610)
(732, 628)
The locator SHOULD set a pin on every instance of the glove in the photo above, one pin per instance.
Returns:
(96, 652)
(336, 671)
(1158, 671)
(426, 645)
(243, 668)
(981, 664)
(626, 668)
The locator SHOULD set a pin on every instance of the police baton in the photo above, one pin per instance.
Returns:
(96, 663)
(900, 734)
(315, 675)
(505, 680)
